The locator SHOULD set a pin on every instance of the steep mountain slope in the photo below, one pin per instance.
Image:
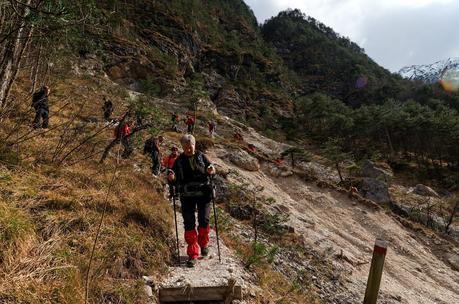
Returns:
(197, 48)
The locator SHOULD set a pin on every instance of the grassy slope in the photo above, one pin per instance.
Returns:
(49, 212)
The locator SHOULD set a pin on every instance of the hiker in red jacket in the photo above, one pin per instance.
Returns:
(123, 132)
(190, 124)
(168, 161)
(168, 164)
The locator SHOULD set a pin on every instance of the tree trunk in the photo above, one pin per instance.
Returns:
(11, 60)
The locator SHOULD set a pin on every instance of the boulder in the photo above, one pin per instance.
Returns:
(370, 170)
(453, 260)
(375, 190)
(277, 171)
(425, 191)
(244, 160)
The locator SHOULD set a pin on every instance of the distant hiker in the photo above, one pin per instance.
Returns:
(175, 121)
(40, 104)
(123, 132)
(252, 148)
(139, 117)
(107, 108)
(353, 192)
(152, 147)
(168, 163)
(190, 175)
(238, 136)
(212, 128)
(190, 124)
(280, 161)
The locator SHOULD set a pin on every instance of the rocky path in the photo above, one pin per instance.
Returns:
(209, 271)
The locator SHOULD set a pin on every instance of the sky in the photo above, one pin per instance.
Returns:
(394, 33)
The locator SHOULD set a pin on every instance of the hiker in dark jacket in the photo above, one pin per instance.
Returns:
(190, 124)
(212, 128)
(107, 108)
(40, 104)
(152, 147)
(190, 175)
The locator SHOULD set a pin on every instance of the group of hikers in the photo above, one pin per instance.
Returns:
(188, 176)
(188, 173)
(190, 124)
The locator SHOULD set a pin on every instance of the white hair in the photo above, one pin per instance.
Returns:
(187, 139)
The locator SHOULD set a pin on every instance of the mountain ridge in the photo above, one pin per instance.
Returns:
(430, 73)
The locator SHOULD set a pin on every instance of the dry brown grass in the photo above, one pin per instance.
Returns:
(49, 212)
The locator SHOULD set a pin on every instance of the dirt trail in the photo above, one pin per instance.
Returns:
(209, 271)
(330, 222)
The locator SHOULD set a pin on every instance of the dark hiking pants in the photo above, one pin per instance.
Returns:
(41, 113)
(107, 114)
(127, 147)
(189, 208)
(155, 165)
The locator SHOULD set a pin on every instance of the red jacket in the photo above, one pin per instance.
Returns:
(125, 131)
(190, 121)
(168, 161)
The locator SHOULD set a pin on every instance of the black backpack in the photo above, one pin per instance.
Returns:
(149, 146)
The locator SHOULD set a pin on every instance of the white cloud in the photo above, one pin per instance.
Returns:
(388, 29)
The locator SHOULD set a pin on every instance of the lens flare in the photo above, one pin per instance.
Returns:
(450, 80)
(361, 82)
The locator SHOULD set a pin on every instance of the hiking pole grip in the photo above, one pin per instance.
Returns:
(174, 195)
(215, 217)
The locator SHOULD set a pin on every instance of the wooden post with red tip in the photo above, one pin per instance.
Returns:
(376, 269)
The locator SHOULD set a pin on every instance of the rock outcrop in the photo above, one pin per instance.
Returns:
(244, 160)
(424, 190)
(369, 169)
(375, 190)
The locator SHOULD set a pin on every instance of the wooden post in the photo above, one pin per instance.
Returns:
(376, 269)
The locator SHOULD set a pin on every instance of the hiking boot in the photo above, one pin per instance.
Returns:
(191, 263)
(204, 251)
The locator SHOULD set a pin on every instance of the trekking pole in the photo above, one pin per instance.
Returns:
(174, 194)
(215, 217)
